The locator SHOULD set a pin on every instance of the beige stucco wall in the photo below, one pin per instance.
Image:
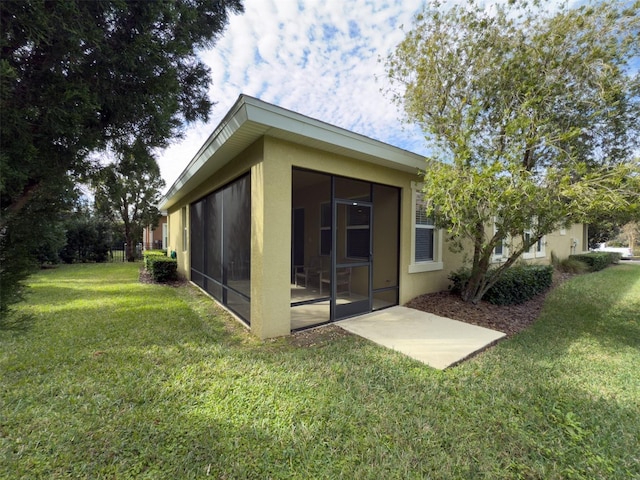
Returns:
(270, 246)
(562, 243)
(566, 242)
(174, 238)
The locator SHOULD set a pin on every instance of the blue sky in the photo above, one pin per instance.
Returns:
(315, 57)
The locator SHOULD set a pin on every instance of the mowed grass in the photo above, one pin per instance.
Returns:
(110, 378)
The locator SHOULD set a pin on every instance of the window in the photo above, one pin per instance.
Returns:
(325, 228)
(165, 236)
(358, 233)
(527, 238)
(537, 250)
(183, 218)
(501, 251)
(424, 237)
(426, 241)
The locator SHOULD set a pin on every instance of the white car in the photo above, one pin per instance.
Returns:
(625, 252)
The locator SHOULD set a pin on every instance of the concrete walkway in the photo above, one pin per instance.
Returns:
(437, 341)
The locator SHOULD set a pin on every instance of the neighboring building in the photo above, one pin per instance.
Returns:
(155, 238)
(290, 222)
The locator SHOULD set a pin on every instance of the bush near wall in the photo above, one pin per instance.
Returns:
(162, 268)
(150, 255)
(597, 260)
(516, 285)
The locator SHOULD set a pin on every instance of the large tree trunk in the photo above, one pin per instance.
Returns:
(475, 287)
(18, 204)
(130, 247)
(130, 252)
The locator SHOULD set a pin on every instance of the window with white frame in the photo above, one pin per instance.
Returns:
(501, 251)
(183, 218)
(165, 235)
(426, 240)
(537, 250)
(530, 253)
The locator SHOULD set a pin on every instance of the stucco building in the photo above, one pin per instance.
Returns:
(289, 222)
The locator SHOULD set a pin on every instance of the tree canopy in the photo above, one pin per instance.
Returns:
(127, 192)
(78, 77)
(532, 113)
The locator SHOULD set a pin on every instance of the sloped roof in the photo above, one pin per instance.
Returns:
(250, 118)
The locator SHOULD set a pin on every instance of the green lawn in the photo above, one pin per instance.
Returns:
(110, 378)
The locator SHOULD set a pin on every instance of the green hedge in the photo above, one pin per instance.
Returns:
(149, 255)
(162, 268)
(516, 285)
(597, 260)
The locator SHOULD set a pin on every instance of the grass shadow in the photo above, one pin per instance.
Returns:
(17, 322)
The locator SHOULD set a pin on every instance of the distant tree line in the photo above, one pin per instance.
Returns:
(84, 235)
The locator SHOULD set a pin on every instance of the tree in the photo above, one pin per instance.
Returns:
(33, 235)
(532, 114)
(631, 233)
(603, 230)
(79, 77)
(128, 191)
(88, 236)
(612, 225)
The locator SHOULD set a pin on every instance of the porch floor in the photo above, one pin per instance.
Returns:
(437, 341)
(309, 315)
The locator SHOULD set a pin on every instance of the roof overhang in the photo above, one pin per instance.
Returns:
(250, 119)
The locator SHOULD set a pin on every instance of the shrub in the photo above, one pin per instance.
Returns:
(149, 255)
(516, 285)
(597, 260)
(572, 265)
(162, 268)
(459, 279)
(615, 257)
(519, 284)
(87, 240)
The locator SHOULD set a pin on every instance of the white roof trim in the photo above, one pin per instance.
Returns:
(257, 119)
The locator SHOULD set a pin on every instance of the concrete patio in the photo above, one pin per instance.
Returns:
(437, 341)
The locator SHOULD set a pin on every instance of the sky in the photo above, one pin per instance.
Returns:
(321, 58)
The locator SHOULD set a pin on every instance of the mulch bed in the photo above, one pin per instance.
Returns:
(510, 319)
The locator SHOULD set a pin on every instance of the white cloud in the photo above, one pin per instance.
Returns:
(315, 57)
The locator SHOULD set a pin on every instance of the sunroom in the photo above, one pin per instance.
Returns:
(289, 222)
